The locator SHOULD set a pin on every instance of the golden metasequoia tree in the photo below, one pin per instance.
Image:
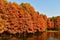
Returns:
(57, 22)
(22, 18)
(50, 23)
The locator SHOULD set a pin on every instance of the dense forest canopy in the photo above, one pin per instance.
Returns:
(22, 18)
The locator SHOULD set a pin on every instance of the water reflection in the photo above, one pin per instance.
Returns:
(41, 36)
(52, 36)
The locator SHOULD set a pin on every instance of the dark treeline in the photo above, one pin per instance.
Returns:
(22, 18)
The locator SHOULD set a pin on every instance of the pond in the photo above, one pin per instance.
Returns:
(37, 36)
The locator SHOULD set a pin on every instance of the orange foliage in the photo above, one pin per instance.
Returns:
(57, 22)
(23, 18)
(50, 24)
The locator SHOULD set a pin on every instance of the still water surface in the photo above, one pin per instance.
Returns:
(40, 36)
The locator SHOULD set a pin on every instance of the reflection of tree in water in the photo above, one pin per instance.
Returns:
(52, 36)
(3, 38)
(37, 36)
(58, 35)
(13, 38)
(46, 36)
(43, 36)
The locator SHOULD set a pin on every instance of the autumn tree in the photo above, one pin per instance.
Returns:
(50, 23)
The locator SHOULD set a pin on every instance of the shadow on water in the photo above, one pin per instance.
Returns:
(36, 36)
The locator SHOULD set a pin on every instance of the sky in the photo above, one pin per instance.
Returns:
(48, 7)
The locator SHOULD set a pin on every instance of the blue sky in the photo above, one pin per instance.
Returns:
(48, 7)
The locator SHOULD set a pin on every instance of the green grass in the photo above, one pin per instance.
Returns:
(51, 31)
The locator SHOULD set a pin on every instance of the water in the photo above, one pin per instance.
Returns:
(37, 36)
